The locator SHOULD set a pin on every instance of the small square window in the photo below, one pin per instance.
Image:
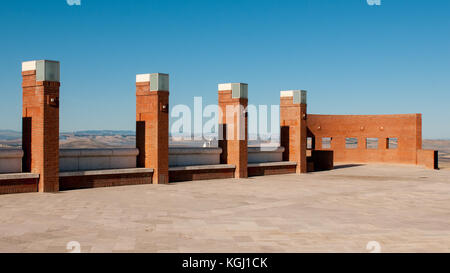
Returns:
(392, 143)
(326, 143)
(351, 143)
(371, 143)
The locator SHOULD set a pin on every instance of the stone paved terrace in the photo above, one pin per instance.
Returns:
(405, 209)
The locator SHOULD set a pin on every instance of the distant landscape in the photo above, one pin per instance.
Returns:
(102, 139)
(127, 139)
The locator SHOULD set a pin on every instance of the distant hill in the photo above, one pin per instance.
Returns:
(102, 133)
(9, 135)
(127, 139)
(98, 139)
(77, 139)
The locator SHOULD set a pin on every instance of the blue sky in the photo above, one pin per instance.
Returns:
(352, 58)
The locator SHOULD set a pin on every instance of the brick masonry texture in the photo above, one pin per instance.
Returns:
(41, 130)
(191, 175)
(293, 132)
(428, 159)
(152, 131)
(406, 128)
(40, 139)
(235, 150)
(100, 181)
(271, 170)
(19, 186)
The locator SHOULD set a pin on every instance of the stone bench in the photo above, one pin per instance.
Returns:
(104, 178)
(201, 172)
(18, 183)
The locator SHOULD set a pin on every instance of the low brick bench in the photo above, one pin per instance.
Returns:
(18, 183)
(104, 178)
(271, 168)
(201, 172)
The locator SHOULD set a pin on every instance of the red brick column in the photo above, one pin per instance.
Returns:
(233, 101)
(418, 137)
(293, 127)
(152, 124)
(40, 123)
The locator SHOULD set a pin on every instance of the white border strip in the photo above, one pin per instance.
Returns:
(289, 93)
(143, 78)
(28, 66)
(225, 87)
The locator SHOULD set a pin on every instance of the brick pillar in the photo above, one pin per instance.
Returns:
(152, 124)
(293, 127)
(418, 136)
(233, 101)
(40, 122)
(418, 141)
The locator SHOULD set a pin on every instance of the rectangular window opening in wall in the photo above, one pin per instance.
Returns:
(392, 143)
(351, 143)
(326, 143)
(371, 143)
(309, 143)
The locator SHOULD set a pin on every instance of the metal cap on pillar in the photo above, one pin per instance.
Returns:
(299, 96)
(45, 70)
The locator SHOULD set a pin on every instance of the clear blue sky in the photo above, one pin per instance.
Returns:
(352, 58)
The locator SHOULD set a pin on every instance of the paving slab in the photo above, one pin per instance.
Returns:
(403, 208)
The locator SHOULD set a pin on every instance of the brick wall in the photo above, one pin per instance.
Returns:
(192, 175)
(152, 125)
(405, 129)
(19, 185)
(428, 159)
(233, 123)
(41, 123)
(293, 128)
(40, 129)
(97, 181)
(271, 170)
